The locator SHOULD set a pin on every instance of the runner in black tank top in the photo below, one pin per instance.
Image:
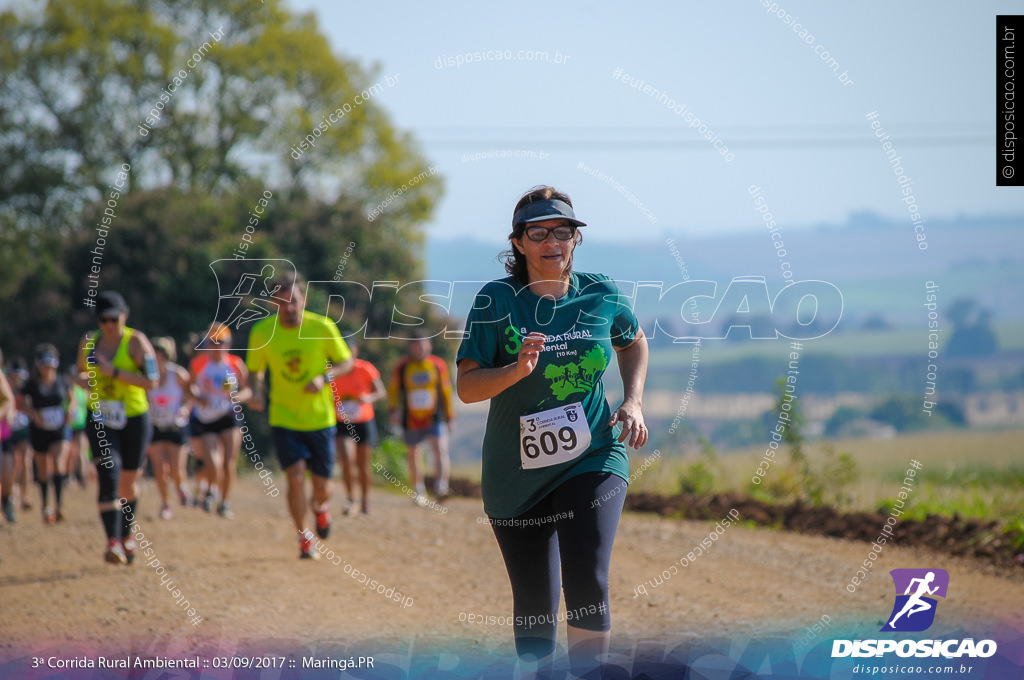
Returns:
(48, 401)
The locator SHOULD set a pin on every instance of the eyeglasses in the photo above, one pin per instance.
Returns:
(562, 233)
(109, 319)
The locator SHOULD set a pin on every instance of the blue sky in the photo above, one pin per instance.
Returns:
(795, 130)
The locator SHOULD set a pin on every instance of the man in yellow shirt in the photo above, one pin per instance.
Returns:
(296, 348)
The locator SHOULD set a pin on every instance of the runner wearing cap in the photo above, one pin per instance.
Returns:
(420, 400)
(168, 413)
(354, 395)
(296, 347)
(537, 345)
(48, 401)
(219, 381)
(117, 365)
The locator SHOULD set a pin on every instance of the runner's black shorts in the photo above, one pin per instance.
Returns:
(173, 435)
(128, 445)
(41, 440)
(361, 433)
(225, 422)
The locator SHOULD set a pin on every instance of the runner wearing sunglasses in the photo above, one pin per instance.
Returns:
(537, 345)
(116, 365)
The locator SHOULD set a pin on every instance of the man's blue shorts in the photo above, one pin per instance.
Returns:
(316, 447)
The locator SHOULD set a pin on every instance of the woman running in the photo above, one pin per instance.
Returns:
(354, 394)
(538, 344)
(219, 380)
(48, 401)
(117, 365)
(168, 412)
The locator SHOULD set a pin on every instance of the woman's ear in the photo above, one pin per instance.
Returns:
(517, 243)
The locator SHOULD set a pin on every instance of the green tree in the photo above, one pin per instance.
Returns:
(78, 80)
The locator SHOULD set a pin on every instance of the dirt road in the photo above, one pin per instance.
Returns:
(245, 581)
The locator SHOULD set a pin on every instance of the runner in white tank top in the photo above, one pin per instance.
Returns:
(168, 412)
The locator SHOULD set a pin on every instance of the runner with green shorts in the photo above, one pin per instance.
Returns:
(78, 459)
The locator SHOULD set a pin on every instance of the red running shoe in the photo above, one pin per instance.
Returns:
(307, 549)
(323, 521)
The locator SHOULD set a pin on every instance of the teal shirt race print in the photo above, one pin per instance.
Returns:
(577, 376)
(553, 424)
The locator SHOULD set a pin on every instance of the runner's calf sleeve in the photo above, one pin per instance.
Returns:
(44, 492)
(108, 477)
(128, 510)
(111, 524)
(58, 487)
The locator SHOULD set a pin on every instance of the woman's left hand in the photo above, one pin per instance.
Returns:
(634, 432)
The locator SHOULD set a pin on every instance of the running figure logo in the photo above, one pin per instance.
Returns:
(246, 292)
(914, 610)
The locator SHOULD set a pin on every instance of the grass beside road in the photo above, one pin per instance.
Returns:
(973, 474)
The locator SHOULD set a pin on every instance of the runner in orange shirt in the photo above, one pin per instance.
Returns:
(354, 395)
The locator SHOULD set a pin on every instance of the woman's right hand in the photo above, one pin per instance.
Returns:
(529, 354)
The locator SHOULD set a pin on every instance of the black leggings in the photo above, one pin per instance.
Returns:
(576, 522)
(114, 450)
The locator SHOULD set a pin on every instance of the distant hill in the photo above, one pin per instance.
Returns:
(875, 262)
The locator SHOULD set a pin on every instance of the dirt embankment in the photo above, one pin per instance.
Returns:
(984, 540)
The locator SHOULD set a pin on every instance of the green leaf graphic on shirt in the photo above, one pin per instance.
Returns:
(578, 376)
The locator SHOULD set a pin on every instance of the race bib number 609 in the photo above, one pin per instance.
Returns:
(554, 436)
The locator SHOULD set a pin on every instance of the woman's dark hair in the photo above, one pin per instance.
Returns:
(515, 261)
